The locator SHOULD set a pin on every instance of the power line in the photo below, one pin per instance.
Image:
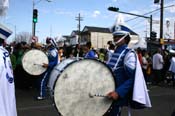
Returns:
(150, 12)
(134, 26)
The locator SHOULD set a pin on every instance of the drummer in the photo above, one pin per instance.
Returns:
(53, 61)
(123, 64)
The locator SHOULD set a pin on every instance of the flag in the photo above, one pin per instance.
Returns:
(140, 92)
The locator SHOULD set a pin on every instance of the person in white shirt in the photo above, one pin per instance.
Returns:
(7, 89)
(158, 66)
(110, 51)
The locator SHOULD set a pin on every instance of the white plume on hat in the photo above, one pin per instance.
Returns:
(4, 5)
(4, 32)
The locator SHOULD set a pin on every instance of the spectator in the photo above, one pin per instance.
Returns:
(89, 53)
(144, 64)
(139, 53)
(110, 51)
(157, 66)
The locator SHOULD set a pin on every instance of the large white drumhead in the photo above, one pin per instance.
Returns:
(75, 85)
(57, 70)
(33, 60)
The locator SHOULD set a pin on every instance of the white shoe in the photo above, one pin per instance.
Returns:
(40, 98)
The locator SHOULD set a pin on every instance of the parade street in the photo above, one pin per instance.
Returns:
(162, 98)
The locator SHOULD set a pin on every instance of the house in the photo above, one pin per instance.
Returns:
(99, 36)
(74, 37)
(71, 39)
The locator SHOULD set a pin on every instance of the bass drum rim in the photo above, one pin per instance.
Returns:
(44, 69)
(74, 59)
(113, 77)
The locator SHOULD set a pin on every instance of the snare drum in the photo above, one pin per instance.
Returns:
(33, 60)
(81, 88)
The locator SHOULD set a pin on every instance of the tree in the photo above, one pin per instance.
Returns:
(23, 36)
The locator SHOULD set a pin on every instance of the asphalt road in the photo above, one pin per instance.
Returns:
(162, 98)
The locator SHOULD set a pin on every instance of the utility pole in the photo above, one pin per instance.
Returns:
(174, 30)
(151, 25)
(161, 18)
(79, 19)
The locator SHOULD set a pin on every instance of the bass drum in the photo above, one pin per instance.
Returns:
(56, 72)
(33, 60)
(81, 88)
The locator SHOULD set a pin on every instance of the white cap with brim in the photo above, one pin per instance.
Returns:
(120, 33)
(4, 32)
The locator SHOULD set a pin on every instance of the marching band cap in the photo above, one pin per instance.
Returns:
(120, 33)
(4, 32)
(51, 41)
(123, 35)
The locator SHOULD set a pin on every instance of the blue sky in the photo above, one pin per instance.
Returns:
(57, 18)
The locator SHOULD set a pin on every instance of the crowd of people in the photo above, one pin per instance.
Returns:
(153, 70)
(156, 66)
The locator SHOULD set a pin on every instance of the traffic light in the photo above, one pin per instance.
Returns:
(153, 35)
(156, 1)
(35, 15)
(113, 9)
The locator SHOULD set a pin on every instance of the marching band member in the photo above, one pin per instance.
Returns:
(123, 64)
(7, 89)
(126, 68)
(53, 61)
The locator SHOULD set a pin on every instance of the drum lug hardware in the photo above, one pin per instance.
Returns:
(65, 76)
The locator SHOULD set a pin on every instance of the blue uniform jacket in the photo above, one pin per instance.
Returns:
(90, 54)
(124, 73)
(53, 58)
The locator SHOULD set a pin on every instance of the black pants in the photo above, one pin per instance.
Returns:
(114, 110)
(157, 76)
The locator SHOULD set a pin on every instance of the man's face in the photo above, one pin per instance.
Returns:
(118, 40)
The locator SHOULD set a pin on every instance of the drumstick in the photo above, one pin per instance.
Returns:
(38, 64)
(96, 95)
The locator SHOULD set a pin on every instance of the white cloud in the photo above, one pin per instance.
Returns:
(96, 13)
(172, 9)
(62, 12)
(170, 6)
